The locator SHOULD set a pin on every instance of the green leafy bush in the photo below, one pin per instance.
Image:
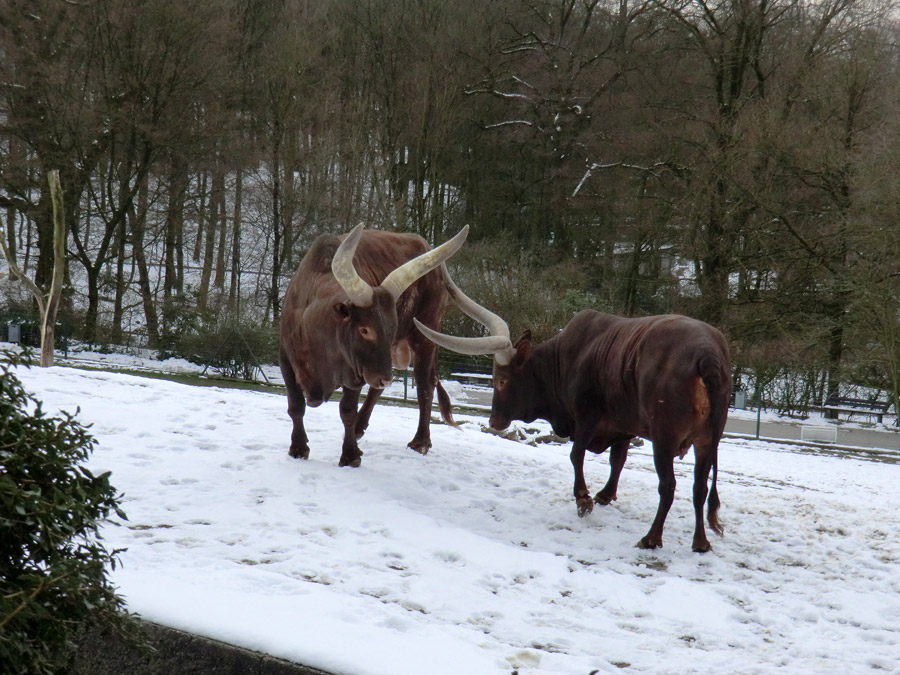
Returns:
(53, 563)
(233, 350)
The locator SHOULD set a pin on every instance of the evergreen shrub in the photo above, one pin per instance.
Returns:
(53, 561)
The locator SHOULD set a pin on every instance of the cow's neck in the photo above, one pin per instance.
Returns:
(549, 388)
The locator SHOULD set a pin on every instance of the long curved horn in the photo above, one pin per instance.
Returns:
(497, 343)
(472, 346)
(345, 274)
(403, 277)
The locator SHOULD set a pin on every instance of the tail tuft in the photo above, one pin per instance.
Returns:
(712, 505)
(444, 406)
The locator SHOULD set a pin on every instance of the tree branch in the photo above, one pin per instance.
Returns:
(19, 274)
(654, 169)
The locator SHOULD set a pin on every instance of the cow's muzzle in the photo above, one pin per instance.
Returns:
(378, 381)
(499, 423)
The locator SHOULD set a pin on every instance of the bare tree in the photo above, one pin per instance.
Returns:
(48, 303)
(550, 66)
(49, 112)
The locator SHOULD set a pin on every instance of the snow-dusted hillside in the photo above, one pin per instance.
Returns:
(472, 559)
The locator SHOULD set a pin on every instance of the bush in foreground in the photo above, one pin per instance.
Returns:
(53, 563)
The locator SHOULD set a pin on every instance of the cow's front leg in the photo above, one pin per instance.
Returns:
(362, 418)
(582, 497)
(351, 455)
(664, 459)
(296, 409)
(617, 456)
(426, 380)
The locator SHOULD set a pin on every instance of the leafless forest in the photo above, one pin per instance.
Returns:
(734, 160)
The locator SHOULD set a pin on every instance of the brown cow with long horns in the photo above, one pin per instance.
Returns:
(604, 380)
(347, 319)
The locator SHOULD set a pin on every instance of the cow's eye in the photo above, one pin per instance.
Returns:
(367, 333)
(500, 383)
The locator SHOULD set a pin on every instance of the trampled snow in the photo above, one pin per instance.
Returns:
(472, 559)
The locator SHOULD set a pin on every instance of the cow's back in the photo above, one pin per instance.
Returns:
(640, 372)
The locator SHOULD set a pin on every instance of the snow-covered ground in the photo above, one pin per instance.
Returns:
(472, 560)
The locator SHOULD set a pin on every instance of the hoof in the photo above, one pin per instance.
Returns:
(649, 543)
(585, 506)
(351, 459)
(421, 448)
(299, 453)
(701, 547)
(603, 498)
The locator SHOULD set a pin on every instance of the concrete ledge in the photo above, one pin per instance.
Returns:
(172, 651)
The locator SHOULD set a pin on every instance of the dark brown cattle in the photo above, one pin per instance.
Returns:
(604, 380)
(347, 319)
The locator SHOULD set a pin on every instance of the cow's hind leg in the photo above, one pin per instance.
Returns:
(664, 459)
(704, 455)
(617, 456)
(351, 455)
(296, 409)
(365, 412)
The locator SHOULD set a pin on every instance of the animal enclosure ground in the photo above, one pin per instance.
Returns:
(472, 559)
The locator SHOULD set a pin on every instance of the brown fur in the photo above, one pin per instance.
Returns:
(322, 348)
(604, 380)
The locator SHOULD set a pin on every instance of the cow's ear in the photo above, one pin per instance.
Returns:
(523, 350)
(524, 341)
(342, 310)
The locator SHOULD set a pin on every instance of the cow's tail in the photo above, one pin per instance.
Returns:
(444, 405)
(714, 373)
(442, 396)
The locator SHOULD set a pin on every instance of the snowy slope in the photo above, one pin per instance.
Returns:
(472, 558)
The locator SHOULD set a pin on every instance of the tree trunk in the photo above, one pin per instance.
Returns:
(174, 226)
(274, 299)
(138, 225)
(213, 211)
(222, 225)
(198, 242)
(234, 288)
(121, 284)
(119, 247)
(92, 313)
(44, 224)
(713, 272)
(288, 196)
(59, 260)
(13, 159)
(11, 231)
